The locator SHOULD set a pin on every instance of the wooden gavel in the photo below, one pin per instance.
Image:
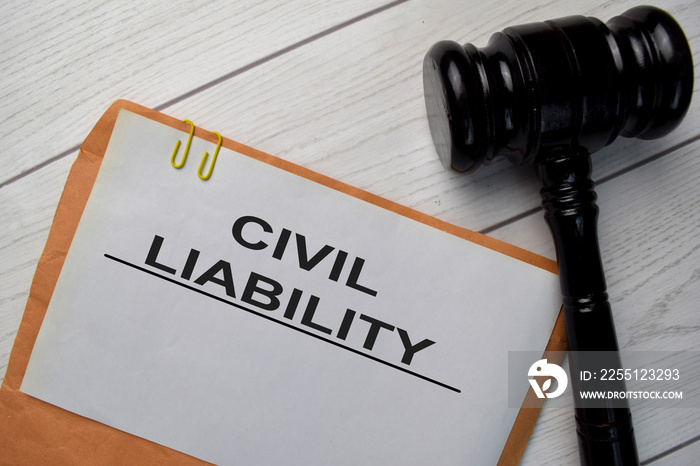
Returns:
(550, 94)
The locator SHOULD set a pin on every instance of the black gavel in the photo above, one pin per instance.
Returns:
(550, 94)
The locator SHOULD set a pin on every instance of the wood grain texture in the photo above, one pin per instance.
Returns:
(90, 54)
(352, 103)
(652, 260)
(686, 454)
(336, 87)
(26, 214)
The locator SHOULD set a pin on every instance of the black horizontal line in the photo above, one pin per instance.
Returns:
(285, 324)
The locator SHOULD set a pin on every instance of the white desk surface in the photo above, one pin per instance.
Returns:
(337, 87)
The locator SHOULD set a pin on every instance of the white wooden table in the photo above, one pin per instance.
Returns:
(337, 87)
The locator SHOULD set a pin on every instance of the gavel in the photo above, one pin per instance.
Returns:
(550, 94)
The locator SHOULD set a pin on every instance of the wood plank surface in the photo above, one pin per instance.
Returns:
(355, 112)
(90, 54)
(337, 87)
(652, 260)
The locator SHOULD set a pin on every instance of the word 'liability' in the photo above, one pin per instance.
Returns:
(269, 295)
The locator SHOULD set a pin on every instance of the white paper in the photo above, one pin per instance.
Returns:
(130, 342)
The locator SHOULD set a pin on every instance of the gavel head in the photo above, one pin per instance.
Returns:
(543, 88)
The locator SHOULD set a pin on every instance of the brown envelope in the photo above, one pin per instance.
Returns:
(34, 432)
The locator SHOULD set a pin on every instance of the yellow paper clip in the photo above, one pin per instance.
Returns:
(187, 148)
(213, 160)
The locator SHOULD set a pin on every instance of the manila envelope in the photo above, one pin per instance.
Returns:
(35, 432)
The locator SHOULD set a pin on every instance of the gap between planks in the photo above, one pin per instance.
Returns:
(225, 77)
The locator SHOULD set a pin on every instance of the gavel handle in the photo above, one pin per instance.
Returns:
(605, 435)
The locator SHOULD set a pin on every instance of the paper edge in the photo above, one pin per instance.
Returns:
(17, 409)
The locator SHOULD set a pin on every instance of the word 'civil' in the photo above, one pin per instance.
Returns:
(268, 294)
(305, 262)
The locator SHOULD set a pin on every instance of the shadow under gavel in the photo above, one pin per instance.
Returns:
(550, 94)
